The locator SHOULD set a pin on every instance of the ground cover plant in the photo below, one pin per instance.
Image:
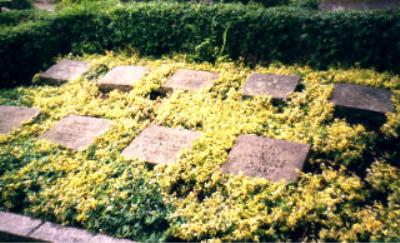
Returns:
(349, 189)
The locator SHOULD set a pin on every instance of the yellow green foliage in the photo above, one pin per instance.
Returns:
(192, 199)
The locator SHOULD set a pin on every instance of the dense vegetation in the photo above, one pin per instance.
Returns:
(16, 4)
(348, 191)
(350, 186)
(207, 32)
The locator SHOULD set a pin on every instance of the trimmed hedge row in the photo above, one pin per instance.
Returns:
(207, 32)
(12, 18)
(313, 4)
(16, 4)
(32, 46)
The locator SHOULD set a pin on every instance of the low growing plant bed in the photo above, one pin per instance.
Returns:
(349, 188)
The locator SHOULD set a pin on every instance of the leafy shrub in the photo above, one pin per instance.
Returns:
(12, 18)
(26, 42)
(310, 4)
(208, 32)
(17, 4)
(265, 3)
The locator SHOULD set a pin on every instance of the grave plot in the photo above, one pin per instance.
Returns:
(122, 78)
(362, 104)
(64, 71)
(12, 117)
(160, 145)
(266, 158)
(190, 80)
(76, 132)
(277, 86)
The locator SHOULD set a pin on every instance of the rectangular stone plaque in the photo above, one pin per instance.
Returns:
(362, 98)
(267, 158)
(64, 71)
(12, 117)
(76, 132)
(122, 78)
(158, 145)
(360, 104)
(185, 79)
(277, 86)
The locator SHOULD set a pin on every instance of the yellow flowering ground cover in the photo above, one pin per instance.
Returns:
(349, 189)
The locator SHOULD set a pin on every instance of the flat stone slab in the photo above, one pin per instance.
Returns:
(159, 145)
(362, 98)
(186, 79)
(107, 239)
(17, 224)
(65, 70)
(76, 132)
(122, 78)
(266, 158)
(12, 117)
(58, 233)
(19, 228)
(277, 86)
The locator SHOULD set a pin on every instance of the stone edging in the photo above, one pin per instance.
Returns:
(14, 227)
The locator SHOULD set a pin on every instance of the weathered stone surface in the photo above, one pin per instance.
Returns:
(185, 79)
(359, 4)
(58, 233)
(65, 70)
(76, 132)
(19, 228)
(267, 158)
(362, 98)
(18, 225)
(122, 78)
(158, 145)
(107, 239)
(277, 86)
(12, 117)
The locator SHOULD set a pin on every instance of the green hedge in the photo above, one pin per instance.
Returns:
(12, 18)
(32, 46)
(16, 4)
(207, 32)
(265, 3)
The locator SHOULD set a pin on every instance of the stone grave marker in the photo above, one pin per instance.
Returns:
(65, 70)
(122, 78)
(160, 145)
(362, 104)
(185, 79)
(12, 117)
(277, 86)
(362, 98)
(266, 158)
(76, 132)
